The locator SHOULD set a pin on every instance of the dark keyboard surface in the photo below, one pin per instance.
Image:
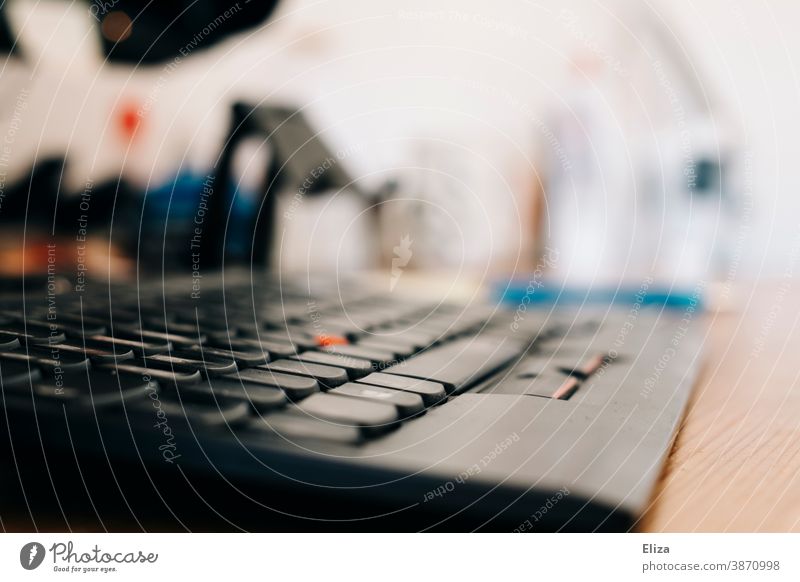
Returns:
(276, 365)
(367, 363)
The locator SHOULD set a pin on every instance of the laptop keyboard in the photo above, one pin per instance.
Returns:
(343, 370)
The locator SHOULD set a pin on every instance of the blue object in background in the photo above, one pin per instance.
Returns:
(168, 214)
(243, 208)
(545, 294)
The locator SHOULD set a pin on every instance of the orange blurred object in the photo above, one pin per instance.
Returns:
(331, 340)
(129, 121)
(63, 256)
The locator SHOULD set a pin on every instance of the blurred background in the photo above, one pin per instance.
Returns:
(591, 143)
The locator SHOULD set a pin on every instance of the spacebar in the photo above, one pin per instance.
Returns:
(459, 364)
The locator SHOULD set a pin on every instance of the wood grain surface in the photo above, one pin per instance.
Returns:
(735, 465)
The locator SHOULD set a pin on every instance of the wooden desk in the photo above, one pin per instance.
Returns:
(736, 462)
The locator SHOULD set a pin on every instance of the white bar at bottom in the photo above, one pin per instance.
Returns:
(400, 557)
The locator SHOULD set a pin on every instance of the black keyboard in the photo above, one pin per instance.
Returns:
(272, 368)
(308, 366)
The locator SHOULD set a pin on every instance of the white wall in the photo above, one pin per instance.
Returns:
(381, 55)
(388, 76)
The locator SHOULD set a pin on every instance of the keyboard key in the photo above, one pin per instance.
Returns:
(144, 335)
(9, 342)
(208, 322)
(549, 384)
(295, 387)
(355, 367)
(432, 393)
(260, 398)
(179, 361)
(399, 349)
(171, 329)
(336, 337)
(418, 338)
(76, 331)
(139, 368)
(327, 376)
(95, 355)
(372, 417)
(300, 339)
(97, 388)
(459, 364)
(407, 404)
(48, 361)
(274, 349)
(279, 350)
(32, 332)
(77, 327)
(116, 315)
(18, 373)
(243, 359)
(376, 356)
(121, 345)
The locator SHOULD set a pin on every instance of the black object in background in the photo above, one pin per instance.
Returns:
(150, 32)
(7, 44)
(30, 201)
(299, 161)
(305, 160)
